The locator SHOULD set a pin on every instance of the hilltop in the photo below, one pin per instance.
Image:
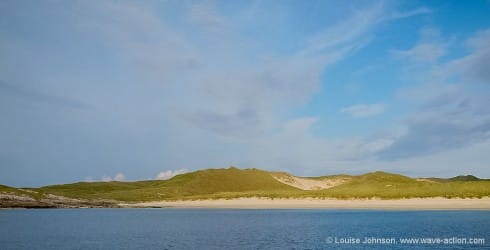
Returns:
(235, 183)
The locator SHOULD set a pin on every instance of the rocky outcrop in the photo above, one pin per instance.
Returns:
(10, 200)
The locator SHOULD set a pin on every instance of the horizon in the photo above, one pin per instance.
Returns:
(103, 91)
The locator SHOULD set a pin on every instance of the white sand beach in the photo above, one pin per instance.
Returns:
(266, 203)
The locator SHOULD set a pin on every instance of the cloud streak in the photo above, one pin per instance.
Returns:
(39, 97)
(410, 13)
(364, 110)
(430, 48)
(105, 178)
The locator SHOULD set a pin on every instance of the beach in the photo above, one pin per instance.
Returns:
(311, 203)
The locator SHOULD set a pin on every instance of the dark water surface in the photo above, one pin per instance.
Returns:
(236, 229)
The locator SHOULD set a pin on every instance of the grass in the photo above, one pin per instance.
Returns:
(234, 183)
(392, 186)
(202, 183)
(22, 192)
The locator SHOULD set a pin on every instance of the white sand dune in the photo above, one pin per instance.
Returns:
(308, 183)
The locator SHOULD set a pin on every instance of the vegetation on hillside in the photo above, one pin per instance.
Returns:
(203, 183)
(234, 183)
(392, 186)
(21, 192)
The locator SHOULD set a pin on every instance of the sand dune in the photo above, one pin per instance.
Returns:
(308, 183)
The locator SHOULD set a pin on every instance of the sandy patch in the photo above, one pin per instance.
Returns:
(266, 203)
(307, 183)
(426, 180)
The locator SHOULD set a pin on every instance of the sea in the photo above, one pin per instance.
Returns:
(171, 228)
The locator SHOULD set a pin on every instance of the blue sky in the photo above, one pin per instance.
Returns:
(93, 90)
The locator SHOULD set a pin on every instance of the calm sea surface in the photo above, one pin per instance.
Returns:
(239, 229)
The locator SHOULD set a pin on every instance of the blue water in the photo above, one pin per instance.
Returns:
(233, 229)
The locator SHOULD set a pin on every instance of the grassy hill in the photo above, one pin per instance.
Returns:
(234, 183)
(21, 192)
(209, 183)
(393, 186)
(464, 178)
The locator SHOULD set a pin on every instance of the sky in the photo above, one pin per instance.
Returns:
(133, 90)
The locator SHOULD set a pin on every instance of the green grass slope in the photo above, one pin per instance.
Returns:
(456, 178)
(465, 178)
(21, 192)
(6, 189)
(392, 186)
(209, 183)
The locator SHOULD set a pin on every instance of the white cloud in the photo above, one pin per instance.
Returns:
(165, 175)
(106, 178)
(430, 47)
(364, 110)
(426, 52)
(119, 177)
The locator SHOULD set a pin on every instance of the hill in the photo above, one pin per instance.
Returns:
(199, 184)
(393, 186)
(233, 183)
(465, 178)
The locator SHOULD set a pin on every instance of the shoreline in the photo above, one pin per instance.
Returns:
(438, 203)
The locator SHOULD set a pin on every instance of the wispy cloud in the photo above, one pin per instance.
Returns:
(427, 52)
(347, 31)
(36, 96)
(429, 49)
(105, 178)
(409, 13)
(364, 110)
(205, 15)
